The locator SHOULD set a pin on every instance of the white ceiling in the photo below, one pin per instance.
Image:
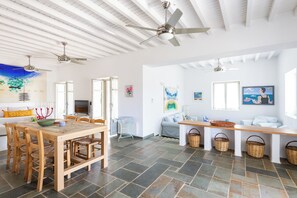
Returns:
(96, 28)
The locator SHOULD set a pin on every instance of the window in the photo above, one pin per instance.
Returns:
(290, 94)
(64, 99)
(225, 95)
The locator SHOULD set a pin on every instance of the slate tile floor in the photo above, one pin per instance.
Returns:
(158, 167)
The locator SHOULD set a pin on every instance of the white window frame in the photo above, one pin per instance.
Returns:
(291, 93)
(225, 85)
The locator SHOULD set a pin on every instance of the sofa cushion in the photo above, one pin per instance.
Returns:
(19, 113)
(178, 117)
(264, 119)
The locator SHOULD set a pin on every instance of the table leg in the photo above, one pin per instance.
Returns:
(237, 143)
(182, 135)
(207, 138)
(104, 148)
(275, 148)
(59, 165)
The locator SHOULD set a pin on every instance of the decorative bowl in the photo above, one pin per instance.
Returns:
(46, 122)
(221, 123)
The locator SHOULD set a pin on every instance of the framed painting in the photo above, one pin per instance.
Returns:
(258, 95)
(170, 99)
(197, 95)
(129, 91)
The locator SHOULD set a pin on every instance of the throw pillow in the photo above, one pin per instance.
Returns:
(19, 113)
(178, 118)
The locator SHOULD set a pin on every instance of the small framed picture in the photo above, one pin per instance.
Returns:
(258, 95)
(129, 90)
(197, 95)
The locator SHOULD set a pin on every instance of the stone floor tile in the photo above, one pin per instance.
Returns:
(192, 192)
(283, 173)
(53, 194)
(268, 165)
(190, 168)
(169, 162)
(182, 157)
(39, 196)
(293, 174)
(132, 190)
(171, 189)
(157, 187)
(117, 194)
(109, 188)
(201, 181)
(256, 163)
(223, 174)
(288, 182)
(218, 187)
(77, 195)
(150, 175)
(207, 169)
(260, 171)
(179, 176)
(136, 167)
(14, 180)
(222, 164)
(236, 188)
(200, 159)
(238, 171)
(76, 187)
(125, 175)
(270, 181)
(189, 150)
(292, 192)
(89, 190)
(246, 179)
(266, 191)
(250, 190)
(100, 179)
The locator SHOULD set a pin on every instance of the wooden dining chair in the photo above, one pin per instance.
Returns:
(9, 127)
(20, 150)
(89, 143)
(40, 156)
(82, 119)
(71, 117)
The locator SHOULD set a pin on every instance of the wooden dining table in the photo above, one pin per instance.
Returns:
(58, 135)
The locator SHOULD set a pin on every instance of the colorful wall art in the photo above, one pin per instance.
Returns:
(17, 85)
(258, 95)
(170, 99)
(129, 90)
(197, 95)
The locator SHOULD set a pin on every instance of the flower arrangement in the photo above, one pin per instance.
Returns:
(129, 90)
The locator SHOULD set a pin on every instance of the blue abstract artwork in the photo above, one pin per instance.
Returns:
(258, 95)
(15, 77)
(170, 99)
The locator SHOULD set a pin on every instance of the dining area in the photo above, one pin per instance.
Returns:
(60, 148)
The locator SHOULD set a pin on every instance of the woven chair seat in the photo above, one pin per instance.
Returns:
(48, 153)
(86, 141)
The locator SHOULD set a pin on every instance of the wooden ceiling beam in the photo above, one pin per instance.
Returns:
(274, 9)
(62, 34)
(100, 31)
(35, 33)
(249, 12)
(113, 49)
(270, 55)
(257, 56)
(200, 15)
(224, 14)
(109, 17)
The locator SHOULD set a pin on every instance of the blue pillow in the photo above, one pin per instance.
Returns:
(178, 118)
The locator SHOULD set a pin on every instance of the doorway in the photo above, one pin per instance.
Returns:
(105, 101)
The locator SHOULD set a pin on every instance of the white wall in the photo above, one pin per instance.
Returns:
(154, 80)
(262, 72)
(287, 61)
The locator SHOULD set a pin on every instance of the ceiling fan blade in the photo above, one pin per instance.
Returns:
(38, 69)
(55, 54)
(147, 40)
(232, 69)
(175, 17)
(190, 30)
(174, 42)
(76, 62)
(78, 59)
(143, 28)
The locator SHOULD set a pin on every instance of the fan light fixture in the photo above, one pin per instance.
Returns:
(166, 36)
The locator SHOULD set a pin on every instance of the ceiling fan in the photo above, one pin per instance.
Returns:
(221, 68)
(66, 59)
(167, 31)
(31, 68)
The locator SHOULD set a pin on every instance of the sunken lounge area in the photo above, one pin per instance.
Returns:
(148, 98)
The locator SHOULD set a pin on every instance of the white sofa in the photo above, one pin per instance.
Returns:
(263, 121)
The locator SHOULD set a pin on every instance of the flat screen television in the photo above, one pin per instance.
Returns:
(81, 106)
